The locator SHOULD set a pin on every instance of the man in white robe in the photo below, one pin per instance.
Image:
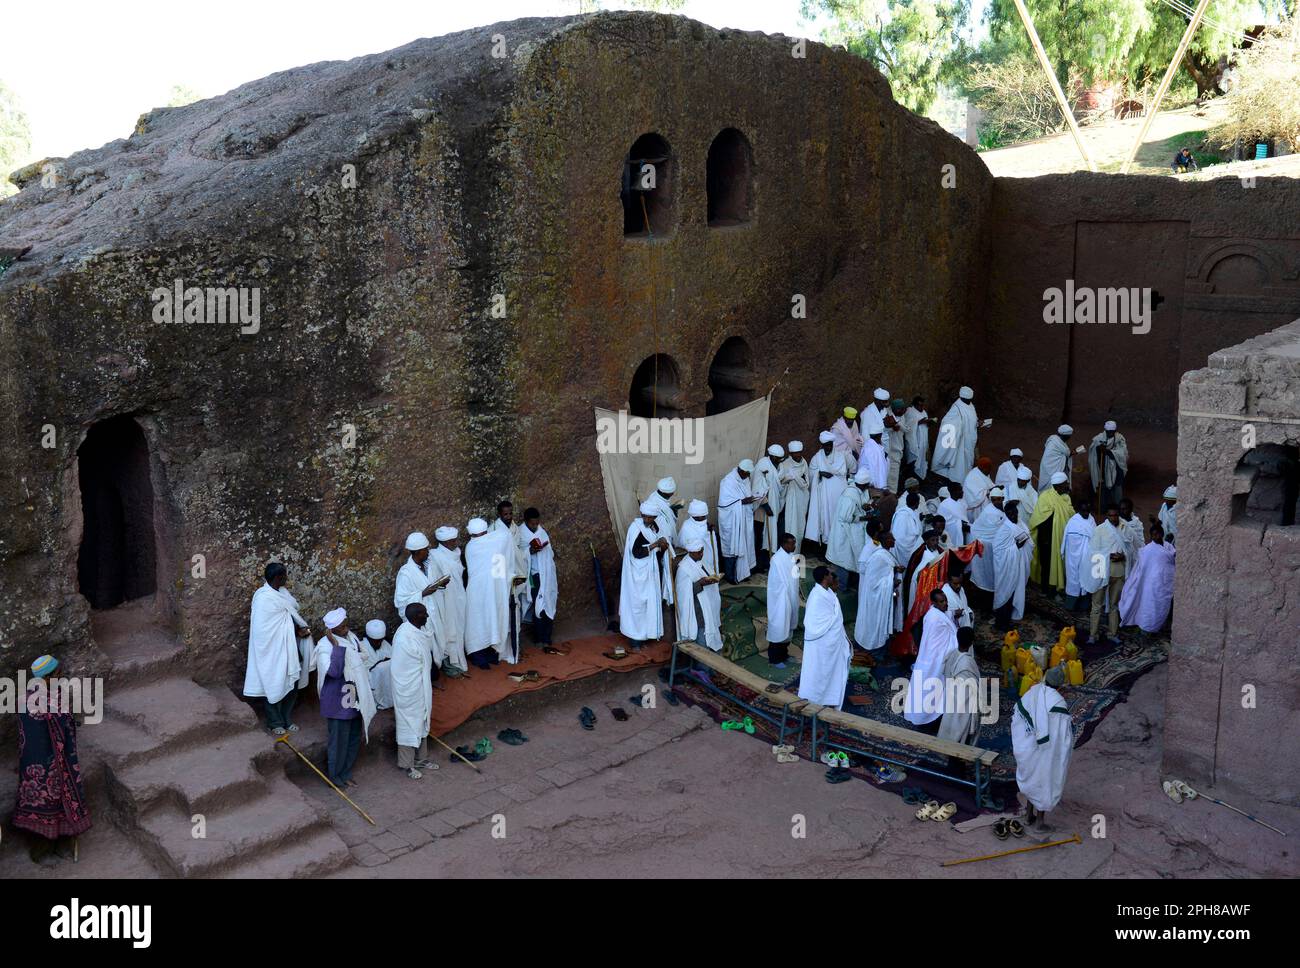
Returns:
(346, 700)
(416, 584)
(1108, 464)
(849, 530)
(412, 670)
(736, 500)
(906, 529)
(277, 641)
(916, 427)
(875, 462)
(930, 551)
(877, 589)
(378, 653)
(873, 417)
(847, 438)
(1009, 468)
(519, 591)
(767, 512)
(666, 510)
(645, 570)
(959, 610)
(1168, 515)
(1075, 554)
(783, 579)
(1056, 458)
(1013, 553)
(954, 450)
(795, 479)
(1130, 527)
(1105, 572)
(445, 561)
(975, 488)
(961, 676)
(983, 568)
(829, 475)
(699, 603)
(826, 650)
(1149, 590)
(491, 622)
(696, 525)
(955, 517)
(1042, 738)
(1022, 490)
(543, 582)
(895, 443)
(923, 704)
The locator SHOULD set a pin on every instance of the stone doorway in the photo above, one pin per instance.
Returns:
(118, 558)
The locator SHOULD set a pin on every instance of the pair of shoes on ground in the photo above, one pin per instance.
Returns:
(532, 675)
(479, 751)
(932, 811)
(784, 753)
(417, 771)
(747, 724)
(884, 773)
(836, 758)
(282, 731)
(512, 737)
(1008, 827)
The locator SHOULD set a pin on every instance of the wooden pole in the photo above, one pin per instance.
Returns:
(1056, 85)
(285, 741)
(1007, 853)
(1164, 83)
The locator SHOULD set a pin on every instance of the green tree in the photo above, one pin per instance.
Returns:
(914, 43)
(15, 138)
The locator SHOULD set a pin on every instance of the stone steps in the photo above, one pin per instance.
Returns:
(314, 855)
(204, 778)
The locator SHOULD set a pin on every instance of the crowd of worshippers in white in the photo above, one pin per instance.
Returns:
(456, 612)
(845, 505)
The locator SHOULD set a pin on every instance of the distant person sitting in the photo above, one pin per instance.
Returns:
(1184, 162)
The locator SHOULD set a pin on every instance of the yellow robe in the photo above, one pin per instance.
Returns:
(1060, 508)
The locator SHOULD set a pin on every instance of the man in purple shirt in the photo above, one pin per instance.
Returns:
(338, 700)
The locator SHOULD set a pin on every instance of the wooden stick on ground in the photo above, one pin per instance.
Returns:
(1006, 853)
(454, 752)
(285, 741)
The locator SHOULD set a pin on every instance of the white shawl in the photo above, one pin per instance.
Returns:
(983, 568)
(1056, 457)
(736, 522)
(924, 701)
(411, 669)
(1149, 589)
(1011, 566)
(356, 674)
(794, 475)
(1042, 738)
(451, 604)
(274, 656)
(640, 614)
(875, 618)
(490, 559)
(782, 596)
(954, 451)
(766, 479)
(543, 562)
(824, 674)
(689, 571)
(825, 493)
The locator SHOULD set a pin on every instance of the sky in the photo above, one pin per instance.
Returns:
(85, 71)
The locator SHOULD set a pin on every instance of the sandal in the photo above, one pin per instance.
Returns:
(786, 758)
(1001, 830)
(1016, 828)
(927, 811)
(837, 776)
(483, 747)
(414, 774)
(619, 714)
(426, 765)
(783, 748)
(587, 718)
(913, 795)
(508, 737)
(944, 813)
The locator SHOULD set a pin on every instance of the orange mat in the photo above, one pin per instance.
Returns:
(465, 696)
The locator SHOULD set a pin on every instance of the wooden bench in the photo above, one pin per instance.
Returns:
(788, 701)
(804, 709)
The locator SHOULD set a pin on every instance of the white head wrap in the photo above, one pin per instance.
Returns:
(1111, 425)
(694, 544)
(943, 492)
(648, 508)
(416, 540)
(996, 492)
(1065, 430)
(1171, 492)
(795, 446)
(1017, 452)
(881, 394)
(376, 630)
(1024, 473)
(825, 436)
(776, 450)
(697, 508)
(862, 476)
(446, 533)
(333, 619)
(966, 393)
(476, 527)
(667, 485)
(746, 465)
(1059, 478)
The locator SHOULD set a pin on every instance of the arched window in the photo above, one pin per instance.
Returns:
(647, 188)
(730, 179)
(731, 377)
(654, 391)
(1268, 485)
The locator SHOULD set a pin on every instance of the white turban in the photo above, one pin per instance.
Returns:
(1171, 492)
(1065, 430)
(776, 450)
(795, 447)
(335, 618)
(476, 527)
(943, 492)
(697, 508)
(1017, 452)
(416, 540)
(694, 544)
(446, 533)
(996, 492)
(1024, 473)
(746, 465)
(667, 485)
(648, 508)
(880, 393)
(1111, 425)
(825, 436)
(1059, 478)
(376, 630)
(862, 476)
(966, 393)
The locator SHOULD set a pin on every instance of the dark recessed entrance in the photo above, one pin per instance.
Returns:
(654, 391)
(118, 557)
(731, 377)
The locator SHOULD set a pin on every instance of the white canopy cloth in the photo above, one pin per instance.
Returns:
(274, 655)
(826, 650)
